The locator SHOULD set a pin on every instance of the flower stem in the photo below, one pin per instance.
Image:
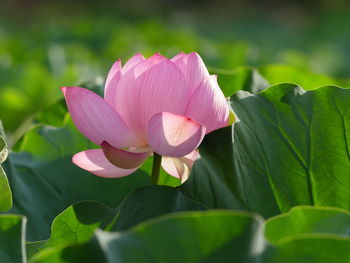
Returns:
(157, 159)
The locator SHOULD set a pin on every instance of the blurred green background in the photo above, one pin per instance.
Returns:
(48, 44)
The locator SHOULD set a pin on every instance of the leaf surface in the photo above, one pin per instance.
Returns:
(290, 147)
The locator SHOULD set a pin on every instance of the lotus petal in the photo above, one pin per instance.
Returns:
(132, 62)
(95, 162)
(208, 105)
(112, 80)
(122, 158)
(180, 167)
(152, 86)
(193, 68)
(174, 135)
(96, 119)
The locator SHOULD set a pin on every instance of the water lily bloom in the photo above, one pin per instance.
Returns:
(150, 105)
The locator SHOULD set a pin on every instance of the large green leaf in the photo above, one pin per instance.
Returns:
(308, 234)
(307, 220)
(12, 236)
(289, 147)
(315, 249)
(78, 222)
(45, 181)
(151, 201)
(75, 224)
(6, 195)
(214, 236)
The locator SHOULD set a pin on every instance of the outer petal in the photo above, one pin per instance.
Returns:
(123, 159)
(180, 167)
(112, 80)
(190, 158)
(193, 68)
(208, 105)
(152, 86)
(95, 162)
(174, 135)
(175, 167)
(132, 62)
(97, 120)
(115, 74)
(178, 56)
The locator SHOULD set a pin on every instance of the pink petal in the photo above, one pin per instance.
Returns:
(95, 162)
(149, 63)
(193, 68)
(208, 105)
(112, 80)
(174, 135)
(97, 120)
(123, 159)
(115, 74)
(152, 86)
(190, 158)
(178, 56)
(174, 166)
(180, 167)
(132, 62)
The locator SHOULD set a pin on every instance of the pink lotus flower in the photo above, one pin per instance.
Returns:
(149, 105)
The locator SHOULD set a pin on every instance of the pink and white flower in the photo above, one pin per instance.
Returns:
(150, 105)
